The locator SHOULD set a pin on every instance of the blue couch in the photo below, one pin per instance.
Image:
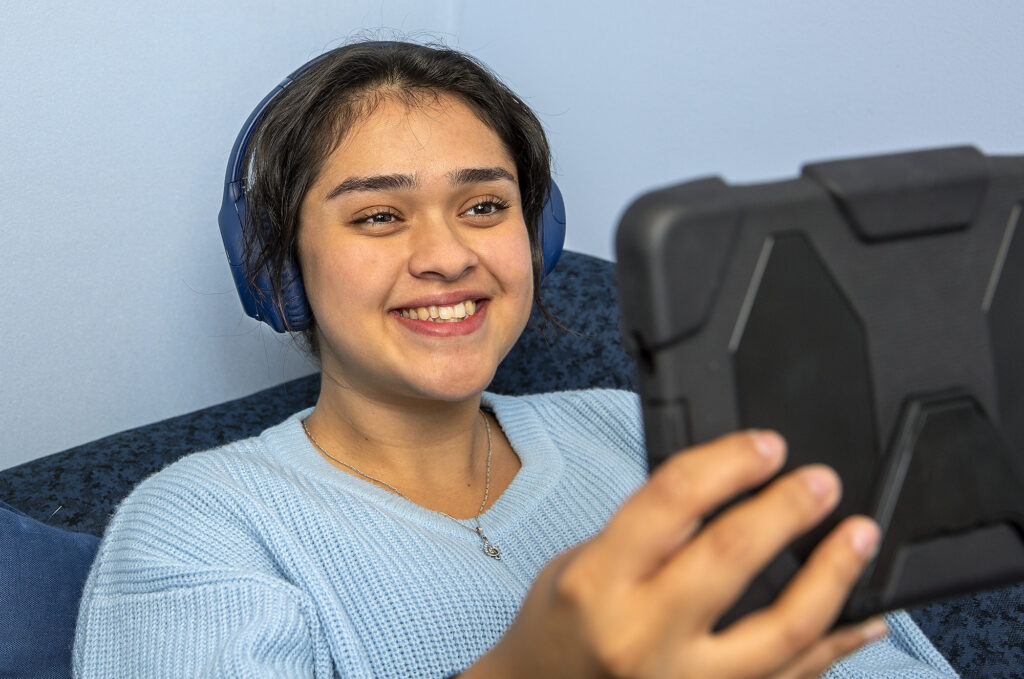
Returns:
(58, 505)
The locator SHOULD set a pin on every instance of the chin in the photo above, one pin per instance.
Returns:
(453, 388)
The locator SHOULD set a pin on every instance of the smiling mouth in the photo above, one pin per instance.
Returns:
(441, 314)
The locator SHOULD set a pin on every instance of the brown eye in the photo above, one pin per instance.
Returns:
(488, 207)
(377, 217)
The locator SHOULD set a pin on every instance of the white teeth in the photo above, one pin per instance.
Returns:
(441, 314)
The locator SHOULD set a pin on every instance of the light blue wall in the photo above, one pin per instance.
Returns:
(644, 93)
(116, 118)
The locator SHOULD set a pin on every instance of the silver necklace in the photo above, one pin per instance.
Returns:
(489, 549)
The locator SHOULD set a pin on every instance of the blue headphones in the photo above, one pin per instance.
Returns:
(257, 300)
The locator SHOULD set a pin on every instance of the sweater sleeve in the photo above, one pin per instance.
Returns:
(219, 624)
(164, 600)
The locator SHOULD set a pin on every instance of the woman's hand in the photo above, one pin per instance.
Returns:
(641, 598)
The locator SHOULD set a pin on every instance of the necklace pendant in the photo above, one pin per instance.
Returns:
(489, 549)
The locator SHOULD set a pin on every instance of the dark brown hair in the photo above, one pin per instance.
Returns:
(307, 121)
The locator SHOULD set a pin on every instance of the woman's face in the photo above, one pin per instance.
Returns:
(415, 255)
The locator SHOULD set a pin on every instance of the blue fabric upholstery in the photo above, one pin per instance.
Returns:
(981, 635)
(42, 570)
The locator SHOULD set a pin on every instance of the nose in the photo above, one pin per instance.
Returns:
(438, 250)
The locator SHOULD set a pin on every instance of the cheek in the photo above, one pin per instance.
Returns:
(513, 262)
(336, 283)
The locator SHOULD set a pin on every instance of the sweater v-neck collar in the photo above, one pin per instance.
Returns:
(541, 465)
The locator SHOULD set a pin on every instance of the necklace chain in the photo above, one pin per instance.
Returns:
(489, 549)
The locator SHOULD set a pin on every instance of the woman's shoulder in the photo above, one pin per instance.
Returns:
(613, 406)
(210, 486)
(243, 455)
(609, 417)
(576, 408)
(214, 465)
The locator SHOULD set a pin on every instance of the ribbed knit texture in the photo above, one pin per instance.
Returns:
(261, 559)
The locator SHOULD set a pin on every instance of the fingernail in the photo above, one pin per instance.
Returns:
(874, 629)
(865, 539)
(821, 482)
(769, 444)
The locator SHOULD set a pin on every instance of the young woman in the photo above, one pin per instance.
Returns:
(412, 525)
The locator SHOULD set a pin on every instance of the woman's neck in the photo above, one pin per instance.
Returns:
(433, 452)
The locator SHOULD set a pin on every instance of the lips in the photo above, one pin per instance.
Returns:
(444, 320)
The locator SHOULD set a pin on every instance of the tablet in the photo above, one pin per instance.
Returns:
(872, 311)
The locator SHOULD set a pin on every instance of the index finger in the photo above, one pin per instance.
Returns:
(661, 516)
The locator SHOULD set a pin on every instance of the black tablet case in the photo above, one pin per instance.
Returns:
(869, 310)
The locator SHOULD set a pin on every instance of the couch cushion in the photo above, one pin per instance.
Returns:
(42, 570)
(981, 635)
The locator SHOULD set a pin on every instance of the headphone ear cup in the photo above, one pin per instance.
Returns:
(296, 309)
(552, 230)
(258, 298)
(294, 313)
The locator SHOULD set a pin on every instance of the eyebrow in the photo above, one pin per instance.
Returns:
(397, 182)
(478, 175)
(378, 182)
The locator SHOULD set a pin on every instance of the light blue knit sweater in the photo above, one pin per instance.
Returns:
(261, 559)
